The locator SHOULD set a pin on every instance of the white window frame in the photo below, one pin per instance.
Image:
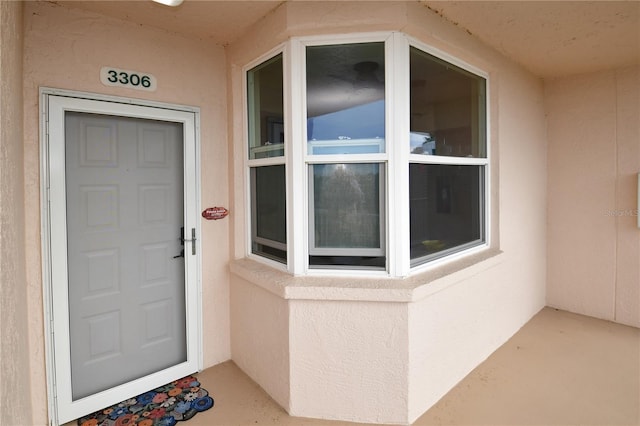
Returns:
(304, 160)
(254, 225)
(348, 251)
(395, 160)
(249, 163)
(470, 247)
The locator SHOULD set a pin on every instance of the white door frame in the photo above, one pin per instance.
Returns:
(54, 103)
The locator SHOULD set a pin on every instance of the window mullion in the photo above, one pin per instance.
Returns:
(398, 134)
(295, 107)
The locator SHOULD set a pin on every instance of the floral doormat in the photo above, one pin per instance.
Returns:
(164, 406)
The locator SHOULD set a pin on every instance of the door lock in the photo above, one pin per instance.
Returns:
(183, 240)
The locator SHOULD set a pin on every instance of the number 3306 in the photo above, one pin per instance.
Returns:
(118, 77)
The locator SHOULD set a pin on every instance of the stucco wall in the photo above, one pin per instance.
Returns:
(594, 158)
(15, 397)
(261, 339)
(349, 360)
(65, 48)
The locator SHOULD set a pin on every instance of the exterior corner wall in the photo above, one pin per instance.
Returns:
(594, 158)
(627, 308)
(452, 331)
(260, 337)
(15, 382)
(344, 17)
(349, 360)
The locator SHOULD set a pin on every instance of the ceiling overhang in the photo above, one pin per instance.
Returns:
(549, 38)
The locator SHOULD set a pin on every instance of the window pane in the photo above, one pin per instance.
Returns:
(445, 209)
(345, 99)
(448, 110)
(346, 216)
(268, 212)
(265, 106)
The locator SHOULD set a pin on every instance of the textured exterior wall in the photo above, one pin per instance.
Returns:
(15, 397)
(260, 341)
(594, 158)
(65, 48)
(349, 360)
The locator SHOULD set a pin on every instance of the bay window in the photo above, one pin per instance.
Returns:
(371, 116)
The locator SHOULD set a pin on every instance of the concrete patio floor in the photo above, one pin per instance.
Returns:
(559, 369)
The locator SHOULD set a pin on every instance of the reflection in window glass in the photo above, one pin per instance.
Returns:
(445, 209)
(345, 98)
(447, 108)
(265, 109)
(269, 219)
(346, 223)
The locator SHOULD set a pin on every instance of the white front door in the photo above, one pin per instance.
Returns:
(123, 259)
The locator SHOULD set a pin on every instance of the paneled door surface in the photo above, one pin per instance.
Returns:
(120, 250)
(124, 186)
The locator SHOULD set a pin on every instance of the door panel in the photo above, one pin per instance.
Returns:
(124, 187)
(120, 179)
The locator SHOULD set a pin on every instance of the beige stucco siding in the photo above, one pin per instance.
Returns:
(594, 158)
(15, 389)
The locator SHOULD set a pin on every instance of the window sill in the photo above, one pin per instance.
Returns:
(371, 289)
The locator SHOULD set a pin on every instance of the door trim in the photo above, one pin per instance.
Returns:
(53, 104)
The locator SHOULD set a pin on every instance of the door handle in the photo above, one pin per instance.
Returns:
(181, 239)
(192, 240)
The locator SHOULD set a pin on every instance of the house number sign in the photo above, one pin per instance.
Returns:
(117, 77)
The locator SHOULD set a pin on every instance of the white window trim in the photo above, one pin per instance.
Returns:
(395, 159)
(457, 252)
(248, 163)
(398, 123)
(302, 161)
(348, 251)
